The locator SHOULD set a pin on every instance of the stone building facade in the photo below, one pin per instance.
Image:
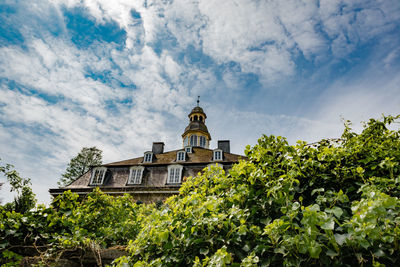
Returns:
(158, 174)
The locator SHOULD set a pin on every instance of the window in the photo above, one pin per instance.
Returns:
(98, 174)
(188, 149)
(174, 174)
(202, 141)
(193, 140)
(186, 141)
(217, 154)
(148, 157)
(135, 175)
(180, 156)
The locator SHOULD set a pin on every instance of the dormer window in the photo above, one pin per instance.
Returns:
(98, 175)
(148, 157)
(174, 174)
(188, 149)
(217, 155)
(135, 175)
(181, 156)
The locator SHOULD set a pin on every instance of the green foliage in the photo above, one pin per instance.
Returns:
(98, 221)
(25, 199)
(79, 165)
(334, 202)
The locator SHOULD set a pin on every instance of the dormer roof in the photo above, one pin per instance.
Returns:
(199, 155)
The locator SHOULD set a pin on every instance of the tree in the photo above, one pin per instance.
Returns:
(25, 199)
(79, 165)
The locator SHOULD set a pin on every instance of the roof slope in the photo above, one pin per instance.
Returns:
(198, 155)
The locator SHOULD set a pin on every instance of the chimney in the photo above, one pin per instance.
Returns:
(224, 146)
(158, 147)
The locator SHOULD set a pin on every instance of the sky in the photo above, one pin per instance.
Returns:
(122, 74)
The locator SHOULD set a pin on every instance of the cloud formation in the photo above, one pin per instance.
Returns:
(122, 74)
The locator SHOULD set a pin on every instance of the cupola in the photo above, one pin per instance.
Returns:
(196, 133)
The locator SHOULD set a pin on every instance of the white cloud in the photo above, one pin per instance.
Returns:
(56, 109)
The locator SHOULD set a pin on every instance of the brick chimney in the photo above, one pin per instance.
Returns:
(224, 145)
(158, 147)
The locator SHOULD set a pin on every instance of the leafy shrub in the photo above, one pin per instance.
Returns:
(98, 221)
(333, 202)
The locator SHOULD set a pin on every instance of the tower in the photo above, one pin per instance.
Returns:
(196, 133)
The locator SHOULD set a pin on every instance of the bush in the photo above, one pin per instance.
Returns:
(334, 202)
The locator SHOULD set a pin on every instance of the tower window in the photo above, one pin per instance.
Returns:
(186, 141)
(174, 174)
(202, 141)
(217, 155)
(195, 117)
(201, 118)
(180, 156)
(97, 177)
(193, 140)
(135, 175)
(148, 157)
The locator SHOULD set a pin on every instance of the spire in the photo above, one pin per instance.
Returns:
(196, 133)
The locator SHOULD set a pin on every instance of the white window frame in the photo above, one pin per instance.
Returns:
(148, 157)
(174, 174)
(202, 138)
(135, 175)
(217, 155)
(188, 149)
(186, 141)
(193, 140)
(181, 156)
(98, 179)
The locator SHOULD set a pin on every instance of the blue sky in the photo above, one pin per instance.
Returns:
(121, 74)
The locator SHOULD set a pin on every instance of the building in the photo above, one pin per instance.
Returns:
(158, 174)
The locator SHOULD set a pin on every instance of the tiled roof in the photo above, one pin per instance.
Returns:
(198, 155)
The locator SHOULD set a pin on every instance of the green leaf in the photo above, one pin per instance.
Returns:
(204, 251)
(163, 236)
(331, 253)
(379, 253)
(328, 225)
(340, 238)
(364, 243)
(314, 249)
(336, 211)
(317, 190)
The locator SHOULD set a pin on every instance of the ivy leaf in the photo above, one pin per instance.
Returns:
(340, 239)
(317, 190)
(336, 211)
(331, 253)
(328, 225)
(314, 249)
(379, 253)
(163, 236)
(204, 251)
